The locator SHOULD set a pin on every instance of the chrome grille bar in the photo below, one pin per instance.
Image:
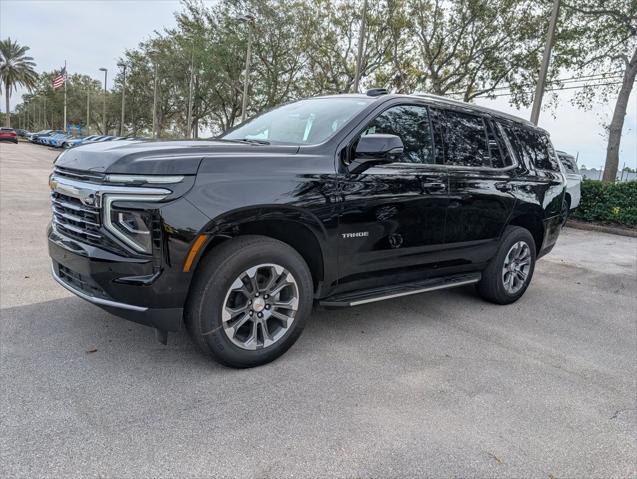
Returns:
(69, 216)
(74, 219)
(70, 206)
(78, 175)
(75, 229)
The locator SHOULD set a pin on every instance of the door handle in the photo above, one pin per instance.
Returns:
(434, 185)
(504, 187)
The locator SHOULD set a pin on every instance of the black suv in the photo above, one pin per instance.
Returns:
(335, 201)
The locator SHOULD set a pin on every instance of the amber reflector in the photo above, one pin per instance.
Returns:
(201, 239)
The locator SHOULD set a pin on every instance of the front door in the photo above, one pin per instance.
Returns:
(393, 216)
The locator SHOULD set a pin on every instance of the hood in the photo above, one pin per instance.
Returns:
(158, 157)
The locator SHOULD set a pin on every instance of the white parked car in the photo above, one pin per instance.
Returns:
(573, 179)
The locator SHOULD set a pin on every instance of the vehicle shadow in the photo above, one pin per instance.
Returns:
(72, 328)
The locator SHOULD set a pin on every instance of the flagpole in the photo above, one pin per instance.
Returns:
(65, 73)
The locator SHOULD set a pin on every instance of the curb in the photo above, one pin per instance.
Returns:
(614, 230)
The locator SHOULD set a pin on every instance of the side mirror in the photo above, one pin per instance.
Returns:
(375, 149)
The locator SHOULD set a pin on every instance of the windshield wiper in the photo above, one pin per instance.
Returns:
(253, 141)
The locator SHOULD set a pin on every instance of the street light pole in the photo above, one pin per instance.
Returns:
(248, 18)
(105, 70)
(121, 123)
(546, 58)
(190, 86)
(155, 103)
(64, 120)
(361, 40)
(88, 112)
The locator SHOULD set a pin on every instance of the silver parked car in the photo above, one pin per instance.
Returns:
(573, 179)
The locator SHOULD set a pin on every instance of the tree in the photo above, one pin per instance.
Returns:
(332, 30)
(399, 68)
(16, 68)
(604, 40)
(220, 61)
(139, 89)
(303, 48)
(45, 106)
(467, 48)
(278, 70)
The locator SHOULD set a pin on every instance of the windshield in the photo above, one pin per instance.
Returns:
(304, 122)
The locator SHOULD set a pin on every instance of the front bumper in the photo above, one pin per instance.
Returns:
(126, 287)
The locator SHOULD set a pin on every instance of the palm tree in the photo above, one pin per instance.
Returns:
(15, 69)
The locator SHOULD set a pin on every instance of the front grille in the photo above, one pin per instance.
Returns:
(76, 220)
(81, 282)
(81, 175)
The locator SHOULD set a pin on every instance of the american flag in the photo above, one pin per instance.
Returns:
(60, 79)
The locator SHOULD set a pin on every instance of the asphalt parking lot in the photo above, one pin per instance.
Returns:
(437, 385)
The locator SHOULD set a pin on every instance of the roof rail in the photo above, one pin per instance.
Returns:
(377, 91)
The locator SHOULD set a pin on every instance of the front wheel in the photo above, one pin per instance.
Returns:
(249, 301)
(510, 271)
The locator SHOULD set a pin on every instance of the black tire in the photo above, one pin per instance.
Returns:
(566, 209)
(491, 287)
(213, 281)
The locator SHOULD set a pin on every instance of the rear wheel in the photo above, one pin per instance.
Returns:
(565, 211)
(249, 301)
(509, 273)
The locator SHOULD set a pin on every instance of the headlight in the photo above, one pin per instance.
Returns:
(133, 227)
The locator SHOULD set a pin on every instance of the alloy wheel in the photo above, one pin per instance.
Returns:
(260, 306)
(517, 265)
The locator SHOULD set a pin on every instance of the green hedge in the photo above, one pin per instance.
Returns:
(614, 203)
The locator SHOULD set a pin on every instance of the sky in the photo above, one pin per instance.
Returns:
(90, 34)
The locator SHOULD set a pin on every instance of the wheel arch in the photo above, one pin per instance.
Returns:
(297, 228)
(531, 220)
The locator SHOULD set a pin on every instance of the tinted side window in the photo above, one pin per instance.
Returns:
(509, 131)
(569, 163)
(536, 148)
(465, 140)
(411, 124)
(500, 154)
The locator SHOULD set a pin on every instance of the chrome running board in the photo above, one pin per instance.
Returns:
(406, 289)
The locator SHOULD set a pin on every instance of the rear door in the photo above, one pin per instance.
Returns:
(480, 172)
(535, 147)
(546, 181)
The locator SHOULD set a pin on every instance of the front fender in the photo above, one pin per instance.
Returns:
(228, 222)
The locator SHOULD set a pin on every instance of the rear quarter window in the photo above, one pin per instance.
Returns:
(569, 163)
(534, 146)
